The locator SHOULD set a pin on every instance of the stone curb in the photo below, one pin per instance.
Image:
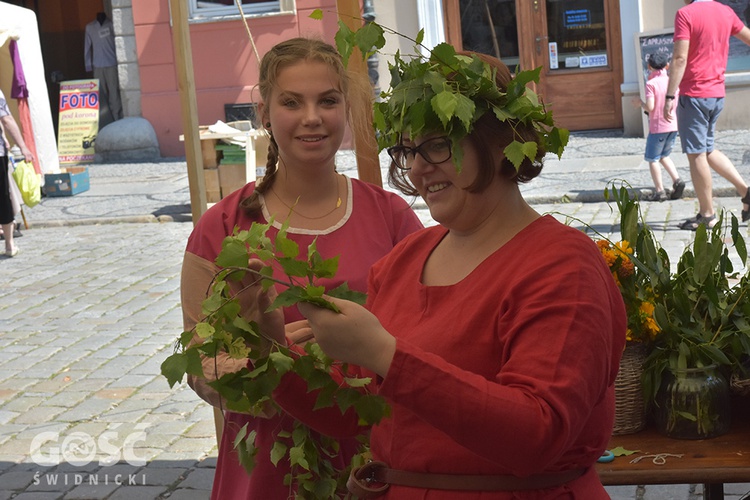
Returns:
(139, 219)
(591, 196)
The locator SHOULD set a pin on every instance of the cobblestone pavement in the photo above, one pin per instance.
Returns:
(90, 308)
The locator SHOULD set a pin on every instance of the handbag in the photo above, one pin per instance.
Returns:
(29, 183)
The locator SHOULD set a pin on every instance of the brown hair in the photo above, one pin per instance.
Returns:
(285, 54)
(489, 136)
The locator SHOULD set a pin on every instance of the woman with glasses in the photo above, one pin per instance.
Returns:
(495, 336)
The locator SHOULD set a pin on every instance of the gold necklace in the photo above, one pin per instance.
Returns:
(338, 204)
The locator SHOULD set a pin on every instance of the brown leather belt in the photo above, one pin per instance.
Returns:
(373, 479)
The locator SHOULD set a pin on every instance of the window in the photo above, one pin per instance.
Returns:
(490, 28)
(577, 34)
(739, 53)
(212, 10)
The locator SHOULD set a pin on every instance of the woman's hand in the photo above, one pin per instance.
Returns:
(254, 301)
(299, 332)
(354, 335)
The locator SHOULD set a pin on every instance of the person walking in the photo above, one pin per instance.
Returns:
(661, 133)
(7, 213)
(701, 48)
(306, 94)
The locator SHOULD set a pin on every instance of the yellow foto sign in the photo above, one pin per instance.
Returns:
(78, 124)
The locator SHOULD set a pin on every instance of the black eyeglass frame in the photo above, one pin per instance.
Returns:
(399, 152)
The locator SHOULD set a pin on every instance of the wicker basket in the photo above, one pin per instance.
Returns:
(739, 385)
(630, 416)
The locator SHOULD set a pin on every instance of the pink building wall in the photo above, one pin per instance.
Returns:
(225, 67)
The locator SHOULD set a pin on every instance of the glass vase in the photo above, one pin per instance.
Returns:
(693, 403)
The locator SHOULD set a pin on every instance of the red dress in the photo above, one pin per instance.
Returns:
(375, 221)
(508, 372)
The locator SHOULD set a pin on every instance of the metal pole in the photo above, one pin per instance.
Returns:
(368, 14)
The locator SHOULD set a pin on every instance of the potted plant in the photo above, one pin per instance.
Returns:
(635, 261)
(687, 330)
(702, 312)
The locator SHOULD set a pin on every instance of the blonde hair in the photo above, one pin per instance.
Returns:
(285, 54)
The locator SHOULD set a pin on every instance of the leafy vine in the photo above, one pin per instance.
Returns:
(250, 390)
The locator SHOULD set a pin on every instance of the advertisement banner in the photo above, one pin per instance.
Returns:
(79, 121)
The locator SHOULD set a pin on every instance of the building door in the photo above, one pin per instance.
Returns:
(576, 42)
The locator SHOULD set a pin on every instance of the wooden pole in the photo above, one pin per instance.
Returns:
(365, 145)
(189, 105)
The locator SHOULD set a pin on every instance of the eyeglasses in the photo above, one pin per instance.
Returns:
(435, 150)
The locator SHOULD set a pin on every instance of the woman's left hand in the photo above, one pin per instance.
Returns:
(354, 335)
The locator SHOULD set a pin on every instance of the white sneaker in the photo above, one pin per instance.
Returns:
(12, 252)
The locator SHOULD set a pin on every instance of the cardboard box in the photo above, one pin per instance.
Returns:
(213, 188)
(232, 176)
(73, 181)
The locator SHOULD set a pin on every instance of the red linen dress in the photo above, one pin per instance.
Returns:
(375, 221)
(509, 371)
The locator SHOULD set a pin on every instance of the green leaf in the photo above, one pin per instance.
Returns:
(237, 349)
(325, 268)
(194, 366)
(368, 37)
(444, 53)
(344, 292)
(286, 247)
(371, 409)
(233, 253)
(622, 452)
(515, 153)
(314, 291)
(204, 330)
(288, 297)
(174, 368)
(557, 140)
(445, 104)
(316, 14)
(344, 39)
(277, 452)
(293, 267)
(346, 398)
(420, 37)
(246, 449)
(297, 457)
(282, 362)
(357, 382)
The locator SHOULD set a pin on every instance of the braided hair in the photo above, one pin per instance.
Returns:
(285, 54)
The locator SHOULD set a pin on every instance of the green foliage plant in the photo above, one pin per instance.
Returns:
(447, 93)
(701, 309)
(704, 309)
(638, 264)
(250, 390)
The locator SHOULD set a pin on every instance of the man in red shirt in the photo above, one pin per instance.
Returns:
(701, 47)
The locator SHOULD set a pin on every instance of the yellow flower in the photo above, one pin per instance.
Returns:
(624, 247)
(646, 312)
(629, 335)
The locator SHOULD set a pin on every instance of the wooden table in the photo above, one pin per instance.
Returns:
(713, 462)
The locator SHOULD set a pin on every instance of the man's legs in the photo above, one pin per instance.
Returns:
(725, 168)
(700, 173)
(696, 118)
